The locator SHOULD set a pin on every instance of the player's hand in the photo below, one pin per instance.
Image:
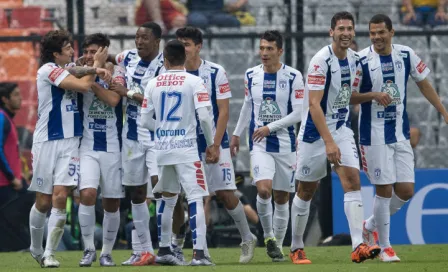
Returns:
(383, 99)
(260, 133)
(217, 150)
(333, 153)
(234, 145)
(409, 17)
(100, 57)
(104, 74)
(119, 89)
(17, 184)
(210, 155)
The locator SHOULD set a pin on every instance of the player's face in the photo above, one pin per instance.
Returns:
(89, 52)
(191, 50)
(380, 36)
(269, 52)
(146, 43)
(15, 99)
(343, 33)
(66, 55)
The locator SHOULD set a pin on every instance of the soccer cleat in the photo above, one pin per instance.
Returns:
(169, 259)
(36, 256)
(363, 252)
(388, 255)
(178, 253)
(370, 237)
(135, 257)
(202, 262)
(247, 250)
(272, 249)
(298, 256)
(88, 258)
(106, 260)
(146, 258)
(49, 262)
(279, 259)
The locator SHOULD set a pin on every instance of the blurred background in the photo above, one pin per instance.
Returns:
(232, 29)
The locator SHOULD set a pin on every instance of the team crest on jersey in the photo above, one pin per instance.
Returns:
(269, 111)
(205, 78)
(343, 98)
(282, 84)
(399, 65)
(392, 89)
(100, 110)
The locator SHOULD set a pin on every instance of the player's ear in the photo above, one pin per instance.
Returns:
(331, 32)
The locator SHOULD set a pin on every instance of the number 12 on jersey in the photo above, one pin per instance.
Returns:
(164, 98)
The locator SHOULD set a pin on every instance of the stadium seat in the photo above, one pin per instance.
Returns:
(30, 17)
(17, 67)
(10, 4)
(5, 47)
(3, 19)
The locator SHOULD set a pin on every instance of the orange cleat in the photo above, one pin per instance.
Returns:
(146, 258)
(364, 252)
(299, 257)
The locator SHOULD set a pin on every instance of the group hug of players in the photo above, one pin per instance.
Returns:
(173, 138)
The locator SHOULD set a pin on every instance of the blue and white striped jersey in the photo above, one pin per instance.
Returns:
(380, 125)
(273, 97)
(217, 84)
(138, 74)
(57, 112)
(335, 77)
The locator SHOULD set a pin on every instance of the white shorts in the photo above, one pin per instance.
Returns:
(55, 163)
(139, 159)
(389, 163)
(188, 175)
(278, 167)
(312, 157)
(99, 168)
(220, 176)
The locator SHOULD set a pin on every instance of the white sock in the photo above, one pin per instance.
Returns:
(370, 223)
(197, 224)
(355, 215)
(111, 223)
(177, 241)
(136, 245)
(300, 211)
(396, 203)
(239, 216)
(86, 215)
(264, 209)
(158, 220)
(165, 220)
(37, 224)
(56, 225)
(140, 215)
(281, 218)
(381, 214)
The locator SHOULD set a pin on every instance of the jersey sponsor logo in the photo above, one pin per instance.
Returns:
(145, 103)
(224, 88)
(200, 180)
(269, 84)
(120, 58)
(421, 67)
(202, 97)
(316, 80)
(269, 111)
(392, 89)
(388, 116)
(316, 67)
(100, 110)
(119, 80)
(343, 98)
(387, 66)
(175, 144)
(299, 93)
(55, 73)
(99, 127)
(356, 82)
(170, 132)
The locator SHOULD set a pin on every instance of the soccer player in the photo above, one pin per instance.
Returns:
(272, 105)
(56, 139)
(387, 155)
(175, 98)
(220, 175)
(100, 158)
(324, 134)
(138, 154)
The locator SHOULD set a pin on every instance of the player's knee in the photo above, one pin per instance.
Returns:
(405, 194)
(264, 193)
(138, 194)
(59, 198)
(225, 195)
(43, 202)
(111, 205)
(306, 190)
(88, 196)
(281, 197)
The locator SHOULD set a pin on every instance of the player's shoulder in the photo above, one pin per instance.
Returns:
(254, 70)
(365, 52)
(290, 70)
(47, 69)
(127, 54)
(212, 65)
(402, 48)
(324, 54)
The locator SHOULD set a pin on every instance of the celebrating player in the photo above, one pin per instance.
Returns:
(387, 155)
(56, 139)
(274, 96)
(174, 97)
(324, 135)
(220, 174)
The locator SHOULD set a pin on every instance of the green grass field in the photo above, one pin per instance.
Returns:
(433, 258)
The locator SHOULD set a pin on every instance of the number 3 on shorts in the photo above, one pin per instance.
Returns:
(73, 169)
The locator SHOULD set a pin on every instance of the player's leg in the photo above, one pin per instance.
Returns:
(179, 228)
(221, 181)
(90, 173)
(311, 167)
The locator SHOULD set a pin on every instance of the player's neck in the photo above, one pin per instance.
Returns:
(340, 53)
(272, 69)
(193, 64)
(150, 57)
(385, 52)
(60, 64)
(176, 68)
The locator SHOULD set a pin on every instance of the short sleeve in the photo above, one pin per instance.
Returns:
(53, 74)
(357, 81)
(222, 85)
(317, 74)
(247, 95)
(119, 75)
(119, 59)
(298, 90)
(419, 70)
(147, 104)
(201, 97)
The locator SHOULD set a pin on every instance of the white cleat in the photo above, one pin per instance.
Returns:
(36, 256)
(49, 262)
(388, 256)
(247, 249)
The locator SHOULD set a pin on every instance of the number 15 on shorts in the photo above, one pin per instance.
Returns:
(226, 174)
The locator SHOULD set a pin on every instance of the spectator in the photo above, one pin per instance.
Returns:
(424, 12)
(169, 14)
(10, 163)
(204, 13)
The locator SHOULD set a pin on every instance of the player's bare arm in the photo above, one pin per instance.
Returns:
(110, 98)
(333, 152)
(124, 92)
(221, 124)
(242, 123)
(382, 98)
(430, 94)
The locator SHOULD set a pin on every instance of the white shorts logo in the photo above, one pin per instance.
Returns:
(377, 173)
(40, 181)
(306, 170)
(256, 170)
